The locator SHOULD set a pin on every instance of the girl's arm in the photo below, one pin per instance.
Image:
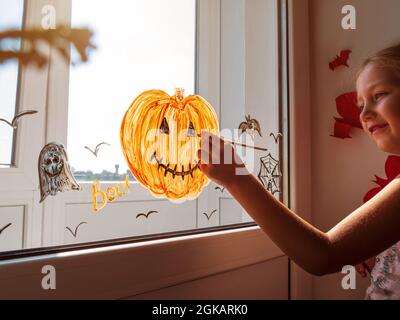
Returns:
(366, 232)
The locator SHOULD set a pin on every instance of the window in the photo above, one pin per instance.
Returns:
(134, 54)
(11, 13)
(226, 51)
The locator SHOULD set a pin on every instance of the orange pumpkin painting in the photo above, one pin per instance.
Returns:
(160, 136)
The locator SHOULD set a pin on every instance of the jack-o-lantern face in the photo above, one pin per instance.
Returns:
(160, 136)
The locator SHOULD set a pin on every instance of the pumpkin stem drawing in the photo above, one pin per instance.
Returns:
(160, 135)
(179, 94)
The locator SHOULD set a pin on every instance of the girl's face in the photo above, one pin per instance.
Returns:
(378, 94)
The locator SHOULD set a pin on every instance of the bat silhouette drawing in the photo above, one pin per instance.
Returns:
(145, 215)
(392, 170)
(222, 189)
(276, 137)
(75, 233)
(96, 150)
(346, 105)
(5, 227)
(210, 215)
(250, 125)
(340, 60)
(14, 121)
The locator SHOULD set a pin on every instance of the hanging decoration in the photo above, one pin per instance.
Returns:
(160, 136)
(347, 108)
(54, 172)
(270, 174)
(251, 126)
(61, 39)
(392, 170)
(340, 60)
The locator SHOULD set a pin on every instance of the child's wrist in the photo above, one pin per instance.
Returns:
(237, 181)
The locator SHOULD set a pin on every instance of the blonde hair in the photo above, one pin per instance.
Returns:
(386, 58)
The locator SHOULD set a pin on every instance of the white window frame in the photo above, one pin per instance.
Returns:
(160, 258)
(207, 83)
(300, 129)
(19, 184)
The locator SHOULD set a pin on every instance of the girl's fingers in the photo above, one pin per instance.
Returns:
(212, 139)
(206, 146)
(360, 268)
(366, 267)
(203, 155)
(210, 144)
(203, 168)
(371, 263)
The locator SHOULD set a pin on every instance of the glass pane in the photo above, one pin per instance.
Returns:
(151, 44)
(135, 53)
(11, 15)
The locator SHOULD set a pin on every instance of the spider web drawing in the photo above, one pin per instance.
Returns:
(270, 174)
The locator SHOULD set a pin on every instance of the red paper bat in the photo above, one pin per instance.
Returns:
(392, 170)
(341, 60)
(346, 105)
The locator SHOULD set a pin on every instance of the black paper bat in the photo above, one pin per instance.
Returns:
(250, 125)
(222, 189)
(211, 214)
(76, 229)
(340, 60)
(145, 215)
(14, 121)
(96, 150)
(276, 137)
(5, 227)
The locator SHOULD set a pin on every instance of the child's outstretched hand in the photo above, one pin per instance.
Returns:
(219, 161)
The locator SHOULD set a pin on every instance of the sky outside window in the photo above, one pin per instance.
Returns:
(142, 45)
(11, 15)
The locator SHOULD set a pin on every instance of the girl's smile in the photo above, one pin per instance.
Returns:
(378, 94)
(377, 128)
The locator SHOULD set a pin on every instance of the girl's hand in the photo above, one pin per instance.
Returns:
(366, 266)
(219, 161)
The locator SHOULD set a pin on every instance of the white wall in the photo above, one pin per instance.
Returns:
(342, 170)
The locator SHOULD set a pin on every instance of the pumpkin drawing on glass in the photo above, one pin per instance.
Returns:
(160, 136)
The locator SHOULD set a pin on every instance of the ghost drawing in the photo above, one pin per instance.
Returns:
(54, 172)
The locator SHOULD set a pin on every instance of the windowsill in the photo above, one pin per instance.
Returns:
(126, 270)
(129, 246)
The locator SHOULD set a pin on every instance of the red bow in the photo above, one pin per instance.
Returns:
(392, 169)
(346, 105)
